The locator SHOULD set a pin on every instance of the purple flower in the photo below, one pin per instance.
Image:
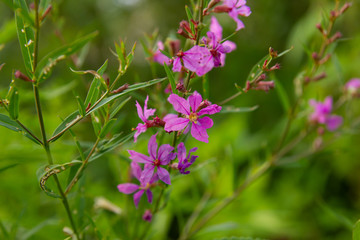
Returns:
(213, 42)
(163, 156)
(185, 161)
(159, 56)
(129, 188)
(147, 215)
(197, 59)
(143, 115)
(353, 87)
(322, 114)
(191, 110)
(235, 8)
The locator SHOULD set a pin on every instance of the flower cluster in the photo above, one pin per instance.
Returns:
(322, 114)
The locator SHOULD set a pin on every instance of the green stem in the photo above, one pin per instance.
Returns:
(29, 132)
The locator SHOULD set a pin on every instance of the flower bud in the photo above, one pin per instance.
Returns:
(22, 76)
(147, 215)
(222, 9)
(345, 7)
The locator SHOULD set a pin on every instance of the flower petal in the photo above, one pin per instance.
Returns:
(148, 112)
(199, 133)
(169, 116)
(333, 122)
(180, 104)
(177, 65)
(176, 124)
(140, 111)
(127, 188)
(205, 122)
(181, 152)
(147, 174)
(194, 100)
(164, 154)
(136, 170)
(216, 28)
(212, 109)
(137, 197)
(234, 15)
(152, 147)
(149, 195)
(139, 157)
(141, 128)
(164, 175)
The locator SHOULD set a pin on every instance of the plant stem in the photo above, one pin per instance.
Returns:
(29, 132)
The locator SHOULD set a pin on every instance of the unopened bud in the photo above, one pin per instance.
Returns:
(182, 33)
(47, 11)
(319, 77)
(345, 7)
(318, 26)
(186, 26)
(222, 9)
(174, 46)
(2, 65)
(180, 87)
(273, 53)
(88, 107)
(335, 37)
(203, 105)
(147, 216)
(315, 56)
(265, 86)
(275, 67)
(121, 89)
(22, 76)
(325, 59)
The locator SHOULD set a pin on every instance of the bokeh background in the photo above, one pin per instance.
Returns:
(316, 197)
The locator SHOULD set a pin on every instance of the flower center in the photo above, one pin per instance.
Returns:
(193, 117)
(157, 162)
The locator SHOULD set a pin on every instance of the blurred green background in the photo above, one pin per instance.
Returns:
(317, 197)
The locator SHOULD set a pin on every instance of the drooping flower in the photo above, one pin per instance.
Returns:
(185, 161)
(235, 8)
(213, 42)
(192, 111)
(159, 57)
(197, 59)
(144, 186)
(322, 114)
(353, 87)
(147, 216)
(157, 158)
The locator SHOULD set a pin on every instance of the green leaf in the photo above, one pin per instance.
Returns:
(356, 231)
(190, 17)
(38, 227)
(13, 102)
(7, 31)
(44, 173)
(232, 109)
(106, 129)
(119, 107)
(81, 106)
(69, 120)
(8, 167)
(131, 88)
(95, 120)
(130, 56)
(46, 64)
(7, 122)
(25, 34)
(4, 231)
(94, 90)
(97, 74)
(171, 78)
(222, 227)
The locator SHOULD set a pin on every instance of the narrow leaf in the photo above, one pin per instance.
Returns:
(8, 167)
(94, 90)
(95, 120)
(107, 128)
(75, 116)
(81, 106)
(356, 231)
(232, 109)
(13, 103)
(284, 98)
(119, 107)
(171, 78)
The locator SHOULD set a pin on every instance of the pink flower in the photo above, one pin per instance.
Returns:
(322, 114)
(197, 59)
(353, 87)
(185, 161)
(129, 188)
(157, 158)
(235, 8)
(143, 115)
(192, 111)
(159, 56)
(213, 42)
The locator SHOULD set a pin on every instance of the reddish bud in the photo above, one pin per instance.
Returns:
(345, 7)
(315, 56)
(318, 26)
(180, 87)
(273, 53)
(325, 59)
(222, 9)
(203, 104)
(120, 89)
(22, 76)
(275, 67)
(88, 107)
(265, 86)
(319, 77)
(335, 37)
(174, 46)
(47, 11)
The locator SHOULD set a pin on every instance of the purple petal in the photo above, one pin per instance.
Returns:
(164, 154)
(177, 65)
(147, 174)
(181, 152)
(149, 195)
(141, 128)
(212, 109)
(152, 147)
(176, 124)
(137, 197)
(164, 175)
(127, 188)
(148, 112)
(205, 122)
(159, 56)
(180, 104)
(136, 170)
(140, 111)
(194, 100)
(199, 133)
(198, 59)
(228, 46)
(333, 122)
(139, 157)
(169, 116)
(234, 15)
(216, 28)
(244, 11)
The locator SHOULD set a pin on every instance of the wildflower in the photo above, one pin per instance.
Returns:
(159, 57)
(322, 114)
(129, 188)
(353, 87)
(163, 156)
(235, 8)
(213, 42)
(197, 59)
(191, 110)
(185, 161)
(147, 215)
